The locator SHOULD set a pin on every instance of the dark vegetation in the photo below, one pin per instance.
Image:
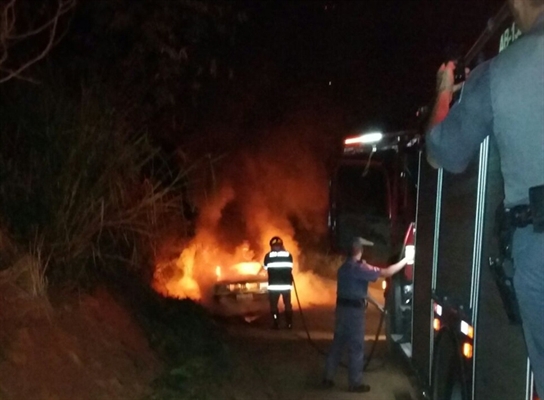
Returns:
(96, 148)
(191, 345)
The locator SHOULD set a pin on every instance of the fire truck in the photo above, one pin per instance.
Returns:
(454, 315)
(373, 192)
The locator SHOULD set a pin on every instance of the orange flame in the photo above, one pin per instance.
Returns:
(247, 268)
(261, 211)
(195, 271)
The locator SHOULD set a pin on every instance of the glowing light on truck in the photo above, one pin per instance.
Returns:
(410, 253)
(467, 329)
(467, 350)
(367, 138)
(436, 324)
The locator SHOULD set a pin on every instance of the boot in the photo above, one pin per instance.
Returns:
(289, 320)
(275, 321)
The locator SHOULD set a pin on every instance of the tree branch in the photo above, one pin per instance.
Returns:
(8, 38)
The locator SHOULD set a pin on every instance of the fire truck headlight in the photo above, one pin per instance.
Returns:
(367, 138)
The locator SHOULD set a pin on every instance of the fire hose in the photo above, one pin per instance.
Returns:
(368, 357)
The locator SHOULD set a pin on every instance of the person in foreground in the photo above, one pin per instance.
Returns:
(504, 98)
(352, 286)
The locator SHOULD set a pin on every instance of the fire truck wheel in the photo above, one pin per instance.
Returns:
(448, 380)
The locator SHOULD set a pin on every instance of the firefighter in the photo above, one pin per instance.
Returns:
(278, 262)
(349, 331)
(504, 98)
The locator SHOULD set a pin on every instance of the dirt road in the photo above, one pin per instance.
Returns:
(285, 365)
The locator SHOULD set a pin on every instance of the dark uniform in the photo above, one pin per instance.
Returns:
(349, 330)
(504, 97)
(279, 265)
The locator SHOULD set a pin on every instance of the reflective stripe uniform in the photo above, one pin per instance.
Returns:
(279, 265)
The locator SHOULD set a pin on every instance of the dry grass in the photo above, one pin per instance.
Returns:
(80, 193)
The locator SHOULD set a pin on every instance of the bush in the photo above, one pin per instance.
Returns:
(193, 349)
(190, 343)
(77, 187)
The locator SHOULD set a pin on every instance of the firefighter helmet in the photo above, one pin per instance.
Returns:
(276, 241)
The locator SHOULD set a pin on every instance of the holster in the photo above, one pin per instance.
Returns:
(502, 268)
(504, 279)
(506, 222)
(504, 229)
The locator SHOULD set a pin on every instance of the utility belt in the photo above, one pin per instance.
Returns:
(507, 221)
(528, 214)
(518, 216)
(341, 302)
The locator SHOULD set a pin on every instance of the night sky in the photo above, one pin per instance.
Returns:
(374, 60)
(305, 74)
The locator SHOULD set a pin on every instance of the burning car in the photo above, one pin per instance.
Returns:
(243, 292)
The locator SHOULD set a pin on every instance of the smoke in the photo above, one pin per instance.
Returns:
(275, 186)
